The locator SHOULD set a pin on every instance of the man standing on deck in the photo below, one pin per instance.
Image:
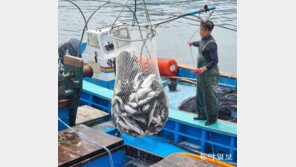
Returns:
(208, 74)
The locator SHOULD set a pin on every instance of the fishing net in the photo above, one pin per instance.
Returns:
(227, 100)
(139, 104)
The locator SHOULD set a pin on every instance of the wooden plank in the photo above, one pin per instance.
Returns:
(73, 61)
(178, 160)
(73, 149)
(89, 115)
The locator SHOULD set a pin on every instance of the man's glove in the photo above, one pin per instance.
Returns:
(190, 43)
(197, 71)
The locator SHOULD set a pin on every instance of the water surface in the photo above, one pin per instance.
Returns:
(171, 39)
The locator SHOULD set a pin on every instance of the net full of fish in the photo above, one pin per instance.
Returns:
(139, 104)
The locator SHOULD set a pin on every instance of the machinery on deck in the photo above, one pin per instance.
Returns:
(70, 76)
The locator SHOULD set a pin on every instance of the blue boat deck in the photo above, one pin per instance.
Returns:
(180, 116)
(183, 92)
(181, 126)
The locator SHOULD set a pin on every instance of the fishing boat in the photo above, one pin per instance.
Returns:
(85, 109)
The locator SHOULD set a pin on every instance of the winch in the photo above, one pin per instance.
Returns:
(70, 77)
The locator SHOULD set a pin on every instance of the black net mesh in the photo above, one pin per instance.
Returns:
(227, 105)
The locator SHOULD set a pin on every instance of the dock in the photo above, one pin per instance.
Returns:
(178, 160)
(73, 149)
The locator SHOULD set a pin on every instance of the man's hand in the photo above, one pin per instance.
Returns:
(199, 71)
(190, 43)
(204, 68)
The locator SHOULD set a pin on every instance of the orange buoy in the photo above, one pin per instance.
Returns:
(167, 67)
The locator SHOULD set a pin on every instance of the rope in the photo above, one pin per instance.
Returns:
(166, 13)
(135, 11)
(90, 140)
(120, 13)
(82, 35)
(79, 11)
(191, 46)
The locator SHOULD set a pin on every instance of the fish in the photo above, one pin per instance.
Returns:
(137, 81)
(146, 107)
(142, 120)
(151, 94)
(141, 93)
(132, 97)
(148, 80)
(134, 127)
(151, 114)
(129, 109)
(115, 99)
(145, 101)
(133, 105)
(122, 124)
(139, 105)
(157, 120)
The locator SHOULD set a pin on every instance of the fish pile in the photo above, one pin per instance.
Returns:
(139, 105)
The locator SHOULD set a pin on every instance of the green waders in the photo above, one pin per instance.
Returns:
(206, 92)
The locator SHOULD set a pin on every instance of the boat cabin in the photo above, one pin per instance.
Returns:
(100, 54)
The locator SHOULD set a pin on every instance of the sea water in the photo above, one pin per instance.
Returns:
(172, 37)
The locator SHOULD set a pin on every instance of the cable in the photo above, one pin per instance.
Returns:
(170, 14)
(191, 46)
(79, 53)
(79, 10)
(90, 140)
(120, 13)
(135, 11)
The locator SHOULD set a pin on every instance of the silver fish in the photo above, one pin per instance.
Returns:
(129, 109)
(145, 101)
(122, 124)
(151, 114)
(116, 98)
(148, 80)
(137, 81)
(157, 120)
(146, 107)
(133, 127)
(141, 93)
(132, 96)
(151, 94)
(142, 120)
(132, 104)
